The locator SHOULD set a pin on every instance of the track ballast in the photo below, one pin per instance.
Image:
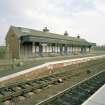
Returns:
(77, 94)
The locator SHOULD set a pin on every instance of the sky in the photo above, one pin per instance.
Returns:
(78, 17)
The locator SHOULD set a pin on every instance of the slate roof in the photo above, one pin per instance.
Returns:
(25, 32)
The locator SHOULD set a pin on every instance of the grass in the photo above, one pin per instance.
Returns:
(7, 67)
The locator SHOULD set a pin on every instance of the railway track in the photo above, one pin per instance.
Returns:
(77, 94)
(21, 89)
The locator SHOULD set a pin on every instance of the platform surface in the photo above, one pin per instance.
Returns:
(98, 98)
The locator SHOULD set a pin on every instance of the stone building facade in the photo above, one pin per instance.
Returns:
(27, 43)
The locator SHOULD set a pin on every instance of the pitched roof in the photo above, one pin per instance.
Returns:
(20, 31)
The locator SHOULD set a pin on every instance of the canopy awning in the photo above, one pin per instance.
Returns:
(53, 40)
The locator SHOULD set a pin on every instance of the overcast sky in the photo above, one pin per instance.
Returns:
(84, 17)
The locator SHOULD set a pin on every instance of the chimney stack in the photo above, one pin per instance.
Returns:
(78, 36)
(45, 29)
(66, 33)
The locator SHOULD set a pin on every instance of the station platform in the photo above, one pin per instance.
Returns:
(98, 98)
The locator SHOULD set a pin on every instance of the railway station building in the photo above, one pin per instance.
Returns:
(28, 43)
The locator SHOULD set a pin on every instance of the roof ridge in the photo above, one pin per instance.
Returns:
(44, 32)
